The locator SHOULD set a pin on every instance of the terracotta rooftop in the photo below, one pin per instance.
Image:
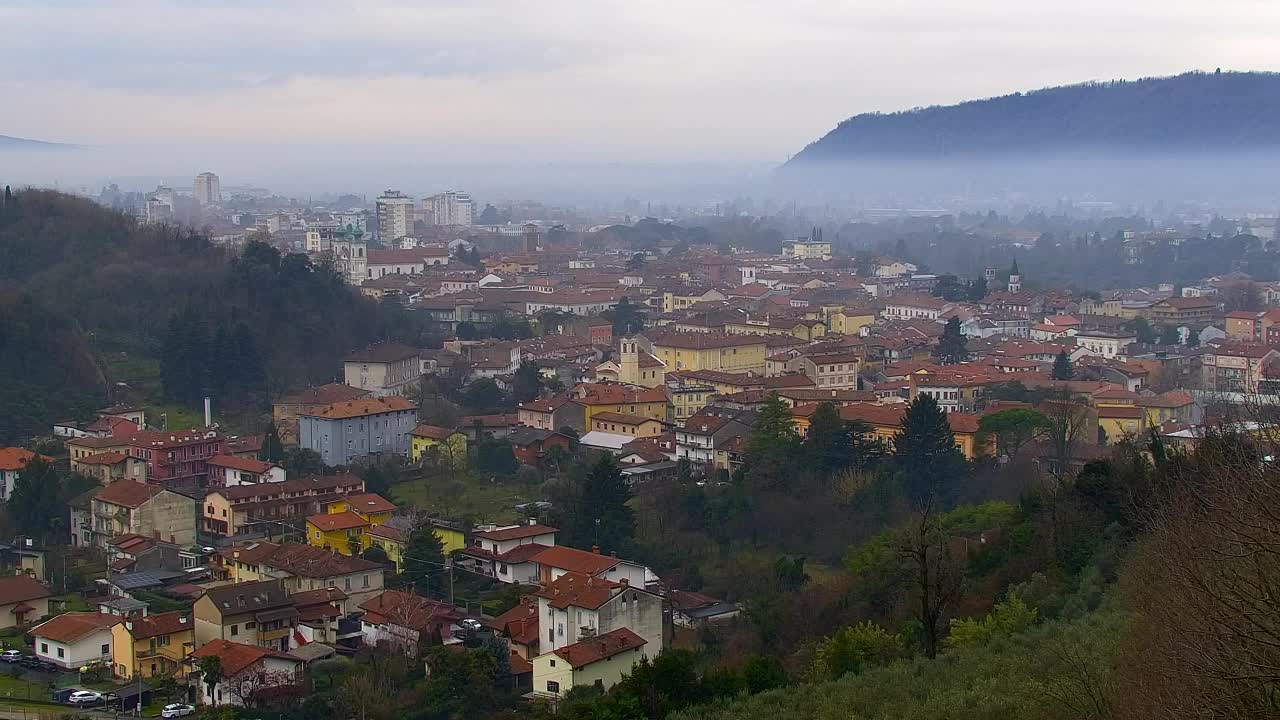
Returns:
(106, 458)
(169, 623)
(12, 458)
(128, 493)
(578, 590)
(369, 503)
(241, 463)
(435, 432)
(585, 652)
(21, 588)
(70, 627)
(383, 353)
(515, 533)
(574, 560)
(325, 395)
(236, 657)
(363, 407)
(329, 522)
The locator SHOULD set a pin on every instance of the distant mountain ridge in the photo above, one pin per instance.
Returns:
(1192, 112)
(15, 143)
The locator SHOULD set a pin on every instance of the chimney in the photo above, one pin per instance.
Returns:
(626, 582)
(595, 549)
(613, 553)
(208, 411)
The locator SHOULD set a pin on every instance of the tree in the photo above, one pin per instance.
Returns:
(1013, 428)
(211, 674)
(852, 648)
(772, 447)
(1170, 335)
(496, 457)
(34, 502)
(484, 397)
(423, 561)
(977, 289)
(272, 449)
(467, 331)
(527, 383)
(302, 462)
(952, 347)
(1142, 329)
(636, 262)
(925, 453)
(627, 318)
(1062, 369)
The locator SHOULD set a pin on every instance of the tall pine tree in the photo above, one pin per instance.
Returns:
(951, 346)
(1062, 369)
(423, 561)
(926, 454)
(601, 515)
(272, 449)
(772, 447)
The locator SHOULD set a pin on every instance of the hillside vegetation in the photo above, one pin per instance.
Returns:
(1185, 114)
(91, 298)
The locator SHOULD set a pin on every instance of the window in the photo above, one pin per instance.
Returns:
(560, 629)
(235, 630)
(44, 648)
(162, 640)
(62, 652)
(250, 625)
(553, 663)
(346, 584)
(365, 581)
(553, 686)
(106, 649)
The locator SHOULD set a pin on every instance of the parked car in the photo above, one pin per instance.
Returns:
(471, 624)
(31, 661)
(11, 656)
(85, 697)
(176, 710)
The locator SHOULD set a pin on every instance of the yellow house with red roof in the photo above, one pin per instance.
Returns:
(344, 528)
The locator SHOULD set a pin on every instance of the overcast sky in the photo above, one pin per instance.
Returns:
(582, 80)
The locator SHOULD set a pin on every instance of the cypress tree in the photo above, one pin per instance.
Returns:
(1062, 369)
(952, 347)
(925, 452)
(272, 449)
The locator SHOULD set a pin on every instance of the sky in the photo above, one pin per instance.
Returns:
(581, 81)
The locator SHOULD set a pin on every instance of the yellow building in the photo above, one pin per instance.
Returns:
(626, 424)
(886, 420)
(632, 366)
(609, 397)
(601, 661)
(709, 351)
(394, 539)
(850, 321)
(152, 645)
(680, 300)
(441, 444)
(802, 329)
(344, 526)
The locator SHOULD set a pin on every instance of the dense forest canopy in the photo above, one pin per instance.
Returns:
(90, 295)
(1187, 113)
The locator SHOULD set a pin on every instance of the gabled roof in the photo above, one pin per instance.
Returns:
(362, 407)
(70, 627)
(578, 590)
(325, 395)
(408, 610)
(128, 493)
(21, 588)
(241, 463)
(237, 657)
(515, 533)
(383, 353)
(435, 432)
(248, 597)
(574, 560)
(12, 458)
(337, 521)
(169, 623)
(585, 652)
(369, 503)
(106, 458)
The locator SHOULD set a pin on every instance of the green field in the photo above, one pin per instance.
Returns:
(464, 497)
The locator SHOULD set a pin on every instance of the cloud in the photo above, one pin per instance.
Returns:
(602, 79)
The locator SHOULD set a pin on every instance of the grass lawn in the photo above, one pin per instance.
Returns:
(16, 689)
(74, 603)
(465, 497)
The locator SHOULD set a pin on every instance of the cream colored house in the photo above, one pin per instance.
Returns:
(384, 369)
(601, 661)
(22, 600)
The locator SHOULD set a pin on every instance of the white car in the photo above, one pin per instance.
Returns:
(176, 710)
(11, 656)
(85, 697)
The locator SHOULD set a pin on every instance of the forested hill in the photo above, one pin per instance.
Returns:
(89, 298)
(1189, 113)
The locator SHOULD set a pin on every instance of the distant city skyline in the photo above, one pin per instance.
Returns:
(577, 82)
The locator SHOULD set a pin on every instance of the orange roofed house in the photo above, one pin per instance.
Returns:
(347, 432)
(247, 671)
(12, 460)
(886, 420)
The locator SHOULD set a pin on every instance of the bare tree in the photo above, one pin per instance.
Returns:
(248, 685)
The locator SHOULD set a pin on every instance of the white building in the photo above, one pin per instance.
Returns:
(395, 216)
(450, 208)
(247, 670)
(206, 189)
(1101, 342)
(75, 639)
(505, 553)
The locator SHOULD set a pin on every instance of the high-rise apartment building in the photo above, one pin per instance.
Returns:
(395, 216)
(207, 190)
(450, 208)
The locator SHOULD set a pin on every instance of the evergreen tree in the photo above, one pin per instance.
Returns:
(951, 346)
(527, 383)
(423, 562)
(34, 503)
(246, 363)
(926, 454)
(272, 449)
(221, 363)
(602, 515)
(977, 289)
(627, 318)
(828, 444)
(1062, 369)
(771, 450)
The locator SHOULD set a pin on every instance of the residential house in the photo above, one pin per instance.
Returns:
(608, 397)
(382, 369)
(850, 321)
(1237, 367)
(131, 552)
(702, 434)
(285, 411)
(247, 671)
(79, 448)
(267, 508)
(342, 528)
(229, 471)
(1183, 310)
(74, 640)
(832, 370)
(519, 626)
(304, 567)
(152, 645)
(106, 468)
(600, 661)
(126, 506)
(255, 613)
(1108, 344)
(530, 445)
(180, 454)
(558, 560)
(696, 610)
(886, 421)
(577, 606)
(479, 427)
(406, 621)
(22, 600)
(907, 306)
(12, 460)
(505, 553)
(553, 413)
(439, 445)
(319, 614)
(626, 424)
(352, 431)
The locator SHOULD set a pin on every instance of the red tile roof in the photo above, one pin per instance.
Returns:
(574, 560)
(21, 588)
(12, 458)
(236, 657)
(106, 458)
(325, 395)
(337, 521)
(408, 610)
(169, 623)
(585, 652)
(369, 503)
(241, 463)
(577, 590)
(515, 533)
(128, 493)
(363, 407)
(70, 627)
(435, 432)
